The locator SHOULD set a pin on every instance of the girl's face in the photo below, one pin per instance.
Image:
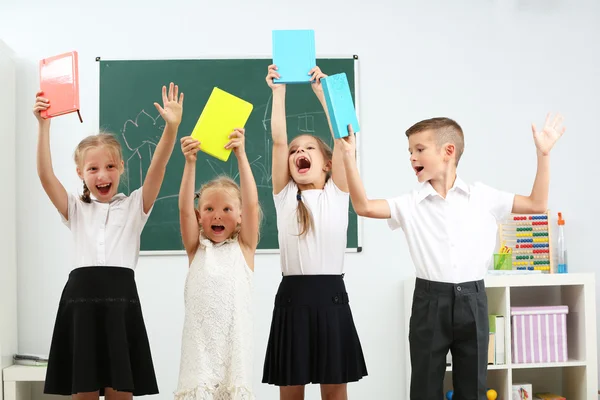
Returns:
(308, 167)
(219, 214)
(101, 172)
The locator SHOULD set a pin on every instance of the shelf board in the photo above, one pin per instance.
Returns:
(570, 363)
(490, 367)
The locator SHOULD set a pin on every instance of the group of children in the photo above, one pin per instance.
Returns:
(100, 346)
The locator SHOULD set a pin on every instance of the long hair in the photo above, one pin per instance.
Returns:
(305, 219)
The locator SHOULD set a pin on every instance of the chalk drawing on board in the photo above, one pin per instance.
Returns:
(140, 145)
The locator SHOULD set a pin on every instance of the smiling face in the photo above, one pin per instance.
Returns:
(101, 171)
(309, 162)
(219, 213)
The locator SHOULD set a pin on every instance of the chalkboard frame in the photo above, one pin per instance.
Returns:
(359, 227)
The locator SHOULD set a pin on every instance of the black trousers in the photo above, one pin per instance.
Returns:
(453, 317)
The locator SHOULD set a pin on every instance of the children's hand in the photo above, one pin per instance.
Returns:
(172, 108)
(273, 74)
(189, 147)
(41, 103)
(545, 139)
(315, 77)
(348, 143)
(236, 141)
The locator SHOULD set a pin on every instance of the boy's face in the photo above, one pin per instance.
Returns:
(427, 159)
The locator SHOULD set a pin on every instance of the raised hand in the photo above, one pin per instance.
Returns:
(315, 78)
(172, 107)
(41, 103)
(273, 74)
(189, 147)
(236, 142)
(348, 143)
(547, 137)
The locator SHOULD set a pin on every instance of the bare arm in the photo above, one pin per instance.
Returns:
(250, 214)
(171, 113)
(188, 221)
(537, 201)
(362, 205)
(280, 168)
(338, 172)
(52, 186)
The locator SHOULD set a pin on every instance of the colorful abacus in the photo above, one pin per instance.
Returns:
(529, 238)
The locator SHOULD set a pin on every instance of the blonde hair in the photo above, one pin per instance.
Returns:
(304, 216)
(446, 131)
(226, 183)
(102, 139)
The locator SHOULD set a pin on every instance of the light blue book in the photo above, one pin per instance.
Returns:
(340, 105)
(294, 55)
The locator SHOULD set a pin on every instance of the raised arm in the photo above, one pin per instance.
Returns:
(250, 210)
(537, 201)
(338, 173)
(52, 186)
(188, 221)
(362, 205)
(171, 113)
(280, 172)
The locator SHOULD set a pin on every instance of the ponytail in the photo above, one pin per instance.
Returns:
(304, 217)
(85, 197)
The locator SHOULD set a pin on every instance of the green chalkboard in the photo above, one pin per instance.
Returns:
(128, 89)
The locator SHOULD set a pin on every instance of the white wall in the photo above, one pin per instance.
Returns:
(495, 66)
(8, 231)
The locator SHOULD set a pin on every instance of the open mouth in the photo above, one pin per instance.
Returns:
(104, 189)
(217, 228)
(303, 164)
(418, 169)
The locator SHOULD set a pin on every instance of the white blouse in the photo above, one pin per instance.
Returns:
(107, 234)
(321, 251)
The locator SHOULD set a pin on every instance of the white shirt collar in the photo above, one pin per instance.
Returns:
(427, 190)
(117, 196)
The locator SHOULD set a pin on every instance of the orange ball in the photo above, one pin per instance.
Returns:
(491, 394)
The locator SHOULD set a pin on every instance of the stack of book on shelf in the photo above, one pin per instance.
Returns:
(497, 343)
(28, 359)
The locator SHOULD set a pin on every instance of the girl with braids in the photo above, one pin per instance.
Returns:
(220, 236)
(313, 338)
(99, 346)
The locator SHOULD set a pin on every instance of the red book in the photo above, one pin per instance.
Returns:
(59, 80)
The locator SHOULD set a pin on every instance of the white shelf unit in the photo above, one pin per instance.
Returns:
(8, 231)
(575, 379)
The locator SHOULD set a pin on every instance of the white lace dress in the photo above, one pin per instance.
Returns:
(216, 348)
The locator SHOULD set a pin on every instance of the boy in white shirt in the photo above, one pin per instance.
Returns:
(450, 227)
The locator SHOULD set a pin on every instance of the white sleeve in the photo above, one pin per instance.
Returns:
(398, 209)
(498, 202)
(288, 190)
(136, 205)
(72, 210)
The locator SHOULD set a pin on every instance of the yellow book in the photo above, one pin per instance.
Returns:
(222, 114)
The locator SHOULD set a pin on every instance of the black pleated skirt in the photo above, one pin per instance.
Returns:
(313, 338)
(99, 337)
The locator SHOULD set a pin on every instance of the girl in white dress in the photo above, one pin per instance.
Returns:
(220, 237)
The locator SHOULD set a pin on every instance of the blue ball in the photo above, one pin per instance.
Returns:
(449, 394)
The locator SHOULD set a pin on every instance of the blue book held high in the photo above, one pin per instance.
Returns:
(340, 105)
(294, 55)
